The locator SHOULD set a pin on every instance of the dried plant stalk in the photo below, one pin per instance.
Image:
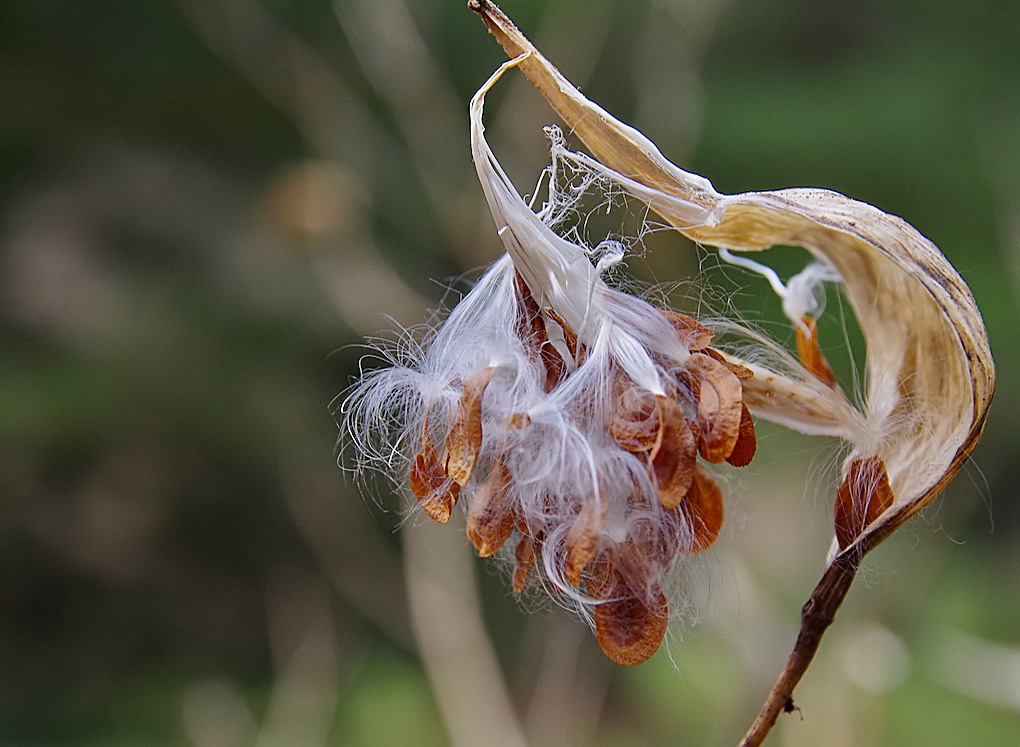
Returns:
(929, 370)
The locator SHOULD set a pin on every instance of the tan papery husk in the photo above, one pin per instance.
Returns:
(930, 374)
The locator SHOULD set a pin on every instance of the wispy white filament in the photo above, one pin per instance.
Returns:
(802, 295)
(554, 442)
(560, 274)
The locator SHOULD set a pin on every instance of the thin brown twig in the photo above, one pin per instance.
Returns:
(816, 616)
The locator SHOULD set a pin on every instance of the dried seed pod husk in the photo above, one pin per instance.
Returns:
(928, 376)
(929, 370)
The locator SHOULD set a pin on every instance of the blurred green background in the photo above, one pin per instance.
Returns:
(204, 207)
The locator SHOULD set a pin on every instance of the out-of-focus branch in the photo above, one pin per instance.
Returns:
(339, 127)
(292, 76)
(570, 681)
(675, 39)
(305, 689)
(348, 548)
(455, 648)
(430, 118)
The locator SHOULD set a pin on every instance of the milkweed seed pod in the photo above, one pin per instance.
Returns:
(575, 420)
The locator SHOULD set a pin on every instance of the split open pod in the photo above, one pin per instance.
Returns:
(578, 423)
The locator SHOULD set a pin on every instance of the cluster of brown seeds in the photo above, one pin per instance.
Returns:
(632, 619)
(436, 481)
(632, 613)
(624, 577)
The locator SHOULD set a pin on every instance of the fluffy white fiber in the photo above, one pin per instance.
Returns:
(564, 457)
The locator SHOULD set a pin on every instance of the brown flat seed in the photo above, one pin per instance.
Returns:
(703, 508)
(427, 473)
(719, 407)
(741, 372)
(582, 541)
(864, 496)
(674, 462)
(465, 437)
(529, 323)
(630, 630)
(490, 520)
(695, 429)
(694, 333)
(531, 329)
(555, 368)
(600, 572)
(637, 421)
(524, 554)
(519, 421)
(810, 352)
(747, 443)
(435, 491)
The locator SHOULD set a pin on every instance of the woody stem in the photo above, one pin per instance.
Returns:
(816, 616)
